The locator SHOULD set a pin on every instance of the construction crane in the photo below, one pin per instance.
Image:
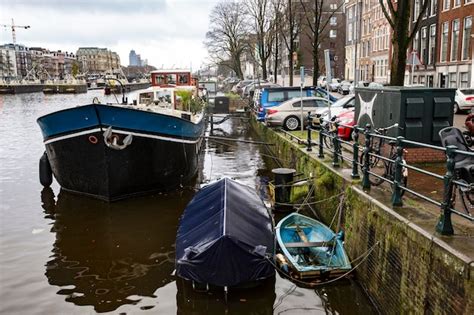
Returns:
(13, 26)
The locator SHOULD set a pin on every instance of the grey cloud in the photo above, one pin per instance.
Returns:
(90, 5)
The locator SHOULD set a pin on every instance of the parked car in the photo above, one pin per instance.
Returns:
(321, 82)
(334, 85)
(239, 86)
(288, 113)
(463, 100)
(375, 85)
(251, 87)
(346, 120)
(344, 87)
(270, 97)
(340, 106)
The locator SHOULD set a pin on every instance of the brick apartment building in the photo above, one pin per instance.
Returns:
(454, 49)
(353, 10)
(98, 60)
(424, 45)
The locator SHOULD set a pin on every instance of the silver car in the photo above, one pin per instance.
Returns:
(463, 100)
(288, 114)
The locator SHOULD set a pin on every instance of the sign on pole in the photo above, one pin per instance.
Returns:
(301, 95)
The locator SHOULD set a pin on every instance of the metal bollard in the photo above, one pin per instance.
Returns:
(310, 123)
(336, 144)
(355, 155)
(444, 225)
(321, 140)
(397, 191)
(365, 178)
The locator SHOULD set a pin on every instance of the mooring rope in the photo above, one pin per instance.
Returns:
(309, 203)
(363, 257)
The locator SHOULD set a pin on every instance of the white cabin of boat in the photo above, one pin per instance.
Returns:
(163, 95)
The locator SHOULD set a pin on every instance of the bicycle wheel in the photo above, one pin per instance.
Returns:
(466, 195)
(328, 142)
(373, 163)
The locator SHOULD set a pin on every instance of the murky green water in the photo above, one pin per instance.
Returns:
(65, 254)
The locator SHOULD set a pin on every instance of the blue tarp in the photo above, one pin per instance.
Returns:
(225, 236)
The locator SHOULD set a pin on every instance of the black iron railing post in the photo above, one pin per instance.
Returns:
(398, 165)
(365, 178)
(355, 155)
(310, 123)
(336, 144)
(444, 225)
(321, 140)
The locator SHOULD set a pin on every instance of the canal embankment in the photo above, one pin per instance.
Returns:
(401, 262)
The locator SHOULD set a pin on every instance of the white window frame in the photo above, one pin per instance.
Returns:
(456, 5)
(444, 30)
(454, 57)
(432, 41)
(333, 20)
(332, 33)
(433, 7)
(446, 5)
(463, 38)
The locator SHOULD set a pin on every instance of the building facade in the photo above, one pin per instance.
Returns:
(380, 43)
(454, 49)
(94, 60)
(353, 10)
(8, 68)
(424, 45)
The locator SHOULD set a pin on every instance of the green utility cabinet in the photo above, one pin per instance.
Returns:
(420, 112)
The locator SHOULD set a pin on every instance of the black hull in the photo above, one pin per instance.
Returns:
(147, 165)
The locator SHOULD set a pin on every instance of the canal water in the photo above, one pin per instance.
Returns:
(65, 254)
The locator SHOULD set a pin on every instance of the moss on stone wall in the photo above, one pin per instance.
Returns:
(408, 271)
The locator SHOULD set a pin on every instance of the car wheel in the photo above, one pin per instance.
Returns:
(456, 108)
(291, 123)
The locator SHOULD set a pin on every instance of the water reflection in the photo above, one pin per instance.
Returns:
(254, 301)
(105, 253)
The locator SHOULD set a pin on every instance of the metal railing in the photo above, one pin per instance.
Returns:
(444, 225)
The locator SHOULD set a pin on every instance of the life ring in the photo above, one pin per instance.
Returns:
(93, 139)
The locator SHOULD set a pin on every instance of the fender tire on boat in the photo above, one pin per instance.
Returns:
(45, 172)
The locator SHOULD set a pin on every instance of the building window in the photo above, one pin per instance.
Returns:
(464, 80)
(349, 32)
(424, 37)
(444, 42)
(432, 43)
(455, 40)
(446, 4)
(349, 12)
(466, 35)
(416, 10)
(333, 6)
(467, 1)
(333, 20)
(452, 80)
(415, 41)
(333, 33)
(456, 3)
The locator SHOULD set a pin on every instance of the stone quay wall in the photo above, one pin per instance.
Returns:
(409, 270)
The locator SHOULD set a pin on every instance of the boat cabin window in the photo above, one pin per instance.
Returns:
(160, 79)
(183, 79)
(146, 98)
(171, 78)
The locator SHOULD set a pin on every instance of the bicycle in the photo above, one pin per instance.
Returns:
(464, 168)
(374, 156)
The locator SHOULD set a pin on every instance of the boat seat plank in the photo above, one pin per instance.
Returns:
(309, 244)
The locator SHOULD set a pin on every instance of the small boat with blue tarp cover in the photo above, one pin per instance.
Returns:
(225, 237)
(310, 248)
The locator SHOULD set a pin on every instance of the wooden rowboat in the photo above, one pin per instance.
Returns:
(310, 249)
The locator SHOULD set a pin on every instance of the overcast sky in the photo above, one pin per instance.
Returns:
(166, 32)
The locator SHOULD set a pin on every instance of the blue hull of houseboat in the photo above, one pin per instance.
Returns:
(162, 155)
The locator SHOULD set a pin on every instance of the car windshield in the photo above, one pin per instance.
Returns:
(467, 91)
(342, 101)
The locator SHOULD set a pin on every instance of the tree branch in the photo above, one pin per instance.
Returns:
(387, 16)
(418, 20)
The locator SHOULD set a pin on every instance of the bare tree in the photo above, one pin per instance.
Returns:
(227, 37)
(399, 19)
(278, 18)
(316, 18)
(264, 24)
(289, 30)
